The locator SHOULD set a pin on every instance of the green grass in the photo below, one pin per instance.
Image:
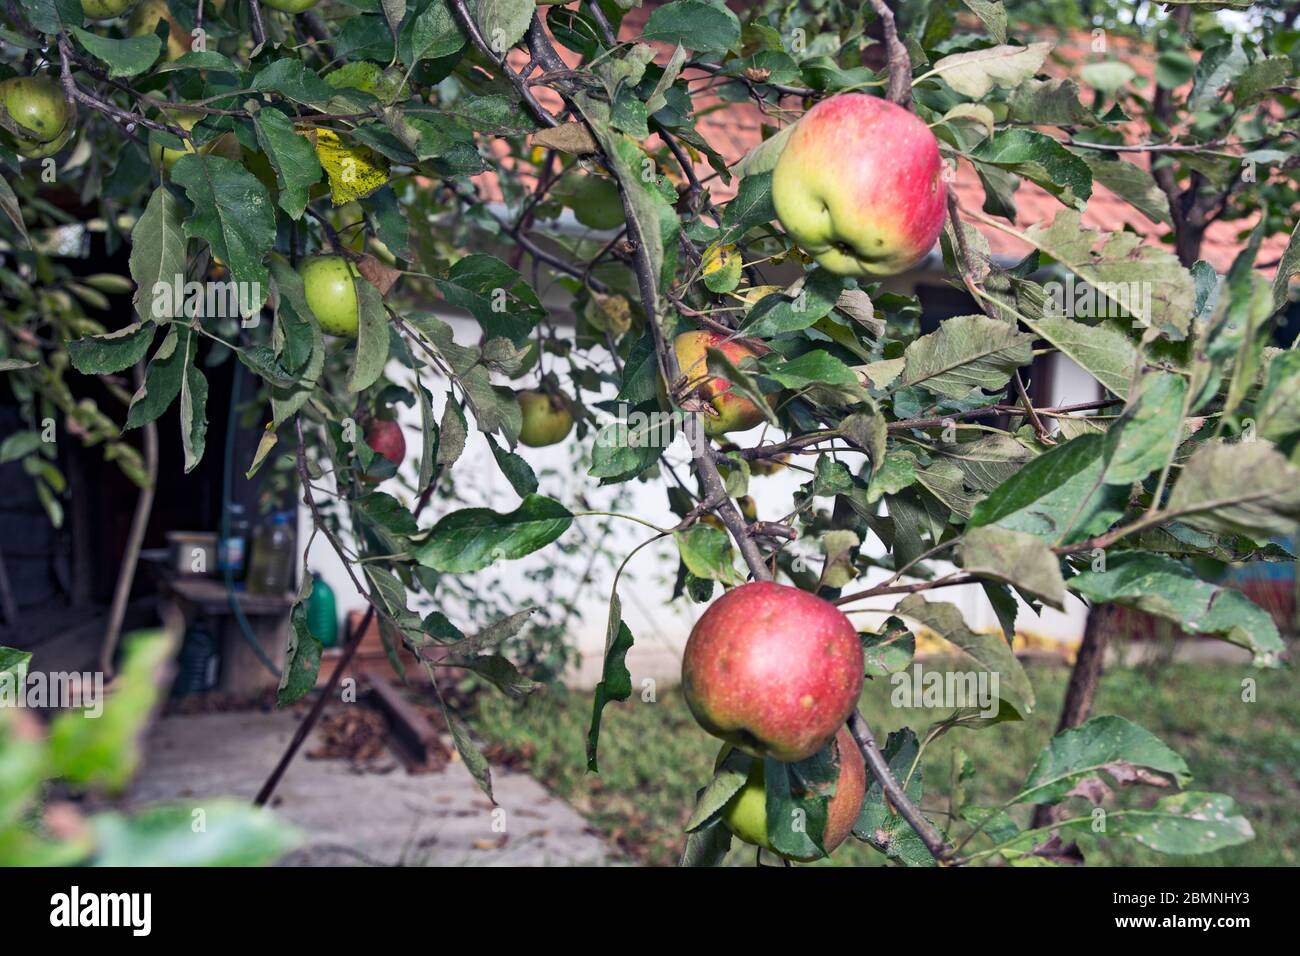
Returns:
(653, 757)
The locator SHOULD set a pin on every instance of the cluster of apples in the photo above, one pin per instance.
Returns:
(774, 672)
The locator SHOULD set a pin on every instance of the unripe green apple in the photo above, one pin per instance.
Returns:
(773, 670)
(225, 145)
(735, 411)
(327, 282)
(36, 104)
(30, 149)
(105, 9)
(547, 418)
(859, 186)
(289, 6)
(745, 814)
(146, 16)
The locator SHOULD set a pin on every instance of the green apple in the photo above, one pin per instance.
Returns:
(735, 412)
(859, 186)
(546, 418)
(30, 149)
(225, 145)
(105, 9)
(327, 281)
(146, 16)
(289, 6)
(37, 105)
(745, 814)
(773, 670)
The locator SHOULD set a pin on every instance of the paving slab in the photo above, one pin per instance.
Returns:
(353, 817)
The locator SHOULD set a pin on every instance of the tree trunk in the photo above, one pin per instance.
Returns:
(1084, 679)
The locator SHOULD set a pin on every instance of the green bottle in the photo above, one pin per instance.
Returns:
(322, 615)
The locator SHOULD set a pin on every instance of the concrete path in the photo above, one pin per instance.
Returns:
(354, 818)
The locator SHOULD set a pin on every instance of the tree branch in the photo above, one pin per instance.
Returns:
(900, 64)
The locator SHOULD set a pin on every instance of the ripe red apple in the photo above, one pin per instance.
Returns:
(773, 670)
(745, 814)
(859, 186)
(385, 438)
(546, 418)
(735, 411)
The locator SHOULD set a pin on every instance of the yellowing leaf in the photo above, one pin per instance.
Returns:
(354, 171)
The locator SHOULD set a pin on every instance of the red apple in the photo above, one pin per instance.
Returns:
(745, 814)
(735, 411)
(773, 670)
(859, 186)
(385, 438)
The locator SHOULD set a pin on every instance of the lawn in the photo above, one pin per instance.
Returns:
(653, 757)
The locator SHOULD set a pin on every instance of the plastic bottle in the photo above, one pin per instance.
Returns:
(271, 569)
(232, 552)
(322, 612)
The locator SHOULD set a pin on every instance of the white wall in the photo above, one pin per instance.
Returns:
(660, 627)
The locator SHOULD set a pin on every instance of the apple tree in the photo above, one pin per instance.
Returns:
(345, 163)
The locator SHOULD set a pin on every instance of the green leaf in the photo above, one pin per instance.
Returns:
(615, 681)
(194, 418)
(219, 832)
(302, 657)
(112, 351)
(624, 449)
(517, 471)
(1181, 823)
(727, 781)
(965, 353)
(1169, 589)
(1015, 558)
(693, 24)
(433, 33)
(706, 552)
(988, 652)
(128, 57)
(1243, 488)
(1118, 747)
(812, 368)
(1287, 267)
(1133, 277)
(474, 538)
(469, 752)
(779, 312)
(888, 651)
(708, 846)
(993, 15)
(452, 433)
(762, 158)
(104, 751)
(751, 206)
(1277, 410)
(1100, 350)
(372, 338)
(162, 382)
(9, 205)
(1040, 159)
(1048, 103)
(383, 511)
(1059, 496)
(1133, 184)
(879, 823)
(975, 73)
(158, 253)
(495, 294)
(232, 212)
(1148, 433)
(1218, 67)
(297, 167)
(504, 22)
